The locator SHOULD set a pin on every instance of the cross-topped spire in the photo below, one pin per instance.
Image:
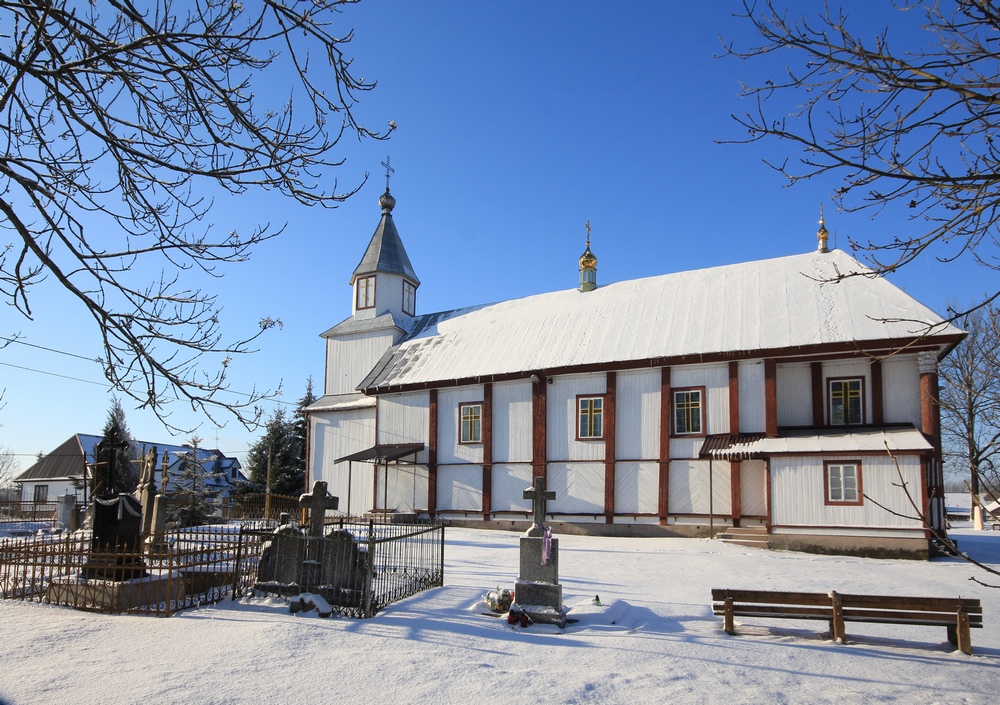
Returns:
(588, 233)
(822, 235)
(388, 171)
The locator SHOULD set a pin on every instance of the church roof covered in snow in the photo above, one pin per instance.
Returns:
(752, 309)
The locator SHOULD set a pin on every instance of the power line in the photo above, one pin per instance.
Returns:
(42, 347)
(55, 374)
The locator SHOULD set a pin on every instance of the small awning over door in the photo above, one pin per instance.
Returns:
(384, 453)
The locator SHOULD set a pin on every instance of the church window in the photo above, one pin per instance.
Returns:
(41, 494)
(590, 417)
(409, 298)
(366, 292)
(689, 411)
(471, 416)
(847, 401)
(843, 482)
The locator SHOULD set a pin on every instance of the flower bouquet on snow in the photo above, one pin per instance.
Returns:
(499, 600)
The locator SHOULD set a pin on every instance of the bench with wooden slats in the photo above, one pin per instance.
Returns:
(958, 615)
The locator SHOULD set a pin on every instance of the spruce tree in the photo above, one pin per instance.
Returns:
(116, 431)
(191, 494)
(278, 443)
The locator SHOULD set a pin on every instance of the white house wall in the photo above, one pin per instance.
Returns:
(404, 418)
(637, 414)
(715, 379)
(350, 358)
(509, 483)
(637, 486)
(407, 490)
(334, 435)
(794, 387)
(797, 493)
(460, 488)
(561, 411)
(690, 481)
(579, 488)
(753, 488)
(751, 386)
(449, 449)
(901, 390)
(512, 422)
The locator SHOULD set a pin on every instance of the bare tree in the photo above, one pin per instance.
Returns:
(118, 121)
(970, 403)
(910, 124)
(9, 467)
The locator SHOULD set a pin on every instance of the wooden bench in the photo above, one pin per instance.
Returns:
(958, 615)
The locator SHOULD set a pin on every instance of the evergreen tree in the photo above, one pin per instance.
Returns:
(300, 427)
(191, 494)
(116, 432)
(281, 446)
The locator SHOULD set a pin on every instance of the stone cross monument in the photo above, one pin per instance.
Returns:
(537, 590)
(317, 502)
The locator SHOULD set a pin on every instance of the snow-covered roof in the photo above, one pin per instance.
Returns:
(795, 442)
(341, 402)
(741, 309)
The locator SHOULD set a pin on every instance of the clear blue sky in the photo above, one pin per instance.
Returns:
(518, 122)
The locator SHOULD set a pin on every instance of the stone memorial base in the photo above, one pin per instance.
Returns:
(542, 602)
(531, 567)
(116, 596)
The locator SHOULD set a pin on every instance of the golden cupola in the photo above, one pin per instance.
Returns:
(588, 267)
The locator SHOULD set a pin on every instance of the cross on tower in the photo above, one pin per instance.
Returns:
(538, 495)
(317, 502)
(588, 233)
(388, 170)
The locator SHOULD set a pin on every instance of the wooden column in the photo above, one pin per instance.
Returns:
(878, 415)
(770, 397)
(734, 398)
(487, 422)
(818, 389)
(666, 403)
(734, 484)
(609, 448)
(538, 424)
(432, 444)
(930, 412)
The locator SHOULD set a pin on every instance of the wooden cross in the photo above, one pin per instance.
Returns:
(388, 170)
(538, 495)
(317, 502)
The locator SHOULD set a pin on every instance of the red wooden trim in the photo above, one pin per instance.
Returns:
(604, 403)
(878, 414)
(930, 413)
(481, 423)
(826, 483)
(767, 493)
(432, 446)
(817, 393)
(609, 446)
(770, 397)
(487, 450)
(538, 427)
(665, 404)
(734, 398)
(734, 485)
(831, 351)
(703, 407)
(829, 398)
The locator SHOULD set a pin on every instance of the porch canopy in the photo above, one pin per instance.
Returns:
(750, 446)
(384, 452)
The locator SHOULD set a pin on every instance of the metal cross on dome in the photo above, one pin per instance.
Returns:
(388, 170)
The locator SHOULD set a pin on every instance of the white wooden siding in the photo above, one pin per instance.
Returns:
(579, 488)
(637, 414)
(901, 390)
(753, 488)
(404, 418)
(798, 494)
(752, 412)
(350, 359)
(715, 379)
(848, 368)
(512, 422)
(449, 449)
(407, 488)
(637, 487)
(509, 483)
(460, 487)
(685, 447)
(560, 406)
(794, 388)
(689, 488)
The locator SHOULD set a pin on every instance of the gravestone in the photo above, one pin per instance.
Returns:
(66, 517)
(317, 502)
(145, 492)
(537, 590)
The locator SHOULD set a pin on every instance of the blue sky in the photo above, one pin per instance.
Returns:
(517, 123)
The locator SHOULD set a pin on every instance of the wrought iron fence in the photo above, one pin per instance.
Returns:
(189, 567)
(259, 506)
(359, 567)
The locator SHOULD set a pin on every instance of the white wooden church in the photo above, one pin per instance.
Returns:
(757, 397)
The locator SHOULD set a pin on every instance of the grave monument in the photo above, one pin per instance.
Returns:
(537, 590)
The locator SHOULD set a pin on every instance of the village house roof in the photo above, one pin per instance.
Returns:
(753, 309)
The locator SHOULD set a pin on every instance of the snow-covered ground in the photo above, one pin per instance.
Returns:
(652, 640)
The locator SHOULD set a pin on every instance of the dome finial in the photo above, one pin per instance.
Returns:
(588, 267)
(386, 201)
(822, 235)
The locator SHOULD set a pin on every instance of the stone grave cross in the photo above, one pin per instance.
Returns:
(538, 494)
(317, 502)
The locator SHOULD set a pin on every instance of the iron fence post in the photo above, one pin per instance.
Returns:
(370, 571)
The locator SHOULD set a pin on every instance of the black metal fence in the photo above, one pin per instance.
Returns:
(358, 568)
